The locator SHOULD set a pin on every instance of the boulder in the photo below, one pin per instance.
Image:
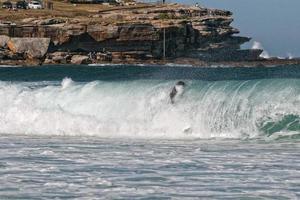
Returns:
(59, 59)
(48, 61)
(30, 47)
(80, 59)
(3, 41)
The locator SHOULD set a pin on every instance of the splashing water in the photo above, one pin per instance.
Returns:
(133, 143)
(290, 56)
(142, 109)
(258, 45)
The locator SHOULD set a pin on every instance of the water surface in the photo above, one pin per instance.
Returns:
(111, 132)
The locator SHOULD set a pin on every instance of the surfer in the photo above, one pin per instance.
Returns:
(177, 90)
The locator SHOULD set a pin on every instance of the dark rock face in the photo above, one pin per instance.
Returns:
(173, 31)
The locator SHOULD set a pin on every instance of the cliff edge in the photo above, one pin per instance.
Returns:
(145, 33)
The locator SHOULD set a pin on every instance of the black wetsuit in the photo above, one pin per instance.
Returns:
(174, 90)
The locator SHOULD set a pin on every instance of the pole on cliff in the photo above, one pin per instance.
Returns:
(164, 44)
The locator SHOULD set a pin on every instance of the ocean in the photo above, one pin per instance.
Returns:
(112, 132)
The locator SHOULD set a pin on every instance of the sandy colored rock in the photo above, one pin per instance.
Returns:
(80, 59)
(30, 47)
(3, 41)
(152, 32)
(28, 20)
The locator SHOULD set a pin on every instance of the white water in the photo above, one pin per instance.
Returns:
(54, 167)
(142, 109)
(258, 45)
(290, 56)
(79, 168)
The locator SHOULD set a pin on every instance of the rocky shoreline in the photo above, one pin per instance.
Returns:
(170, 33)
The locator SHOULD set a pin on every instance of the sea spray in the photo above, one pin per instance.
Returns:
(142, 108)
(258, 45)
(66, 82)
(290, 56)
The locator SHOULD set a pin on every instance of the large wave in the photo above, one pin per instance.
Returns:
(142, 109)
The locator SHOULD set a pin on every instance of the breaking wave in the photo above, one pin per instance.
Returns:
(142, 109)
(290, 56)
(258, 45)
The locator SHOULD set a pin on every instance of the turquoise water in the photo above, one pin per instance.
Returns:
(111, 132)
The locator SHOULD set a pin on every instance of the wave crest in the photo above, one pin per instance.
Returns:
(142, 109)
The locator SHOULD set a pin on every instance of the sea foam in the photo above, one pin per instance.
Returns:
(258, 45)
(142, 109)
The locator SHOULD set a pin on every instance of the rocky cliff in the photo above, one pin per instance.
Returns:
(166, 31)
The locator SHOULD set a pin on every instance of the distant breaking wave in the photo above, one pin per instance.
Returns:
(290, 56)
(258, 45)
(265, 54)
(142, 109)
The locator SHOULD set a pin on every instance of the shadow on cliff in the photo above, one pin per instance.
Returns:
(85, 43)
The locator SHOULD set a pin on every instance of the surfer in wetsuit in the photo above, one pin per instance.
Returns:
(177, 90)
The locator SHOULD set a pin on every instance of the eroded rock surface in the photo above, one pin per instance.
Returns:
(173, 31)
(80, 59)
(30, 47)
(3, 41)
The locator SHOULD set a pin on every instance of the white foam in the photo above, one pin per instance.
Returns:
(142, 109)
(290, 56)
(5, 66)
(258, 45)
(66, 82)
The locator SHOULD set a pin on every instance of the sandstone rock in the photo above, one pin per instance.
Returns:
(58, 58)
(143, 32)
(97, 16)
(113, 16)
(28, 20)
(50, 21)
(74, 29)
(216, 21)
(48, 61)
(80, 59)
(3, 41)
(30, 47)
(58, 54)
(102, 33)
(104, 57)
(129, 34)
